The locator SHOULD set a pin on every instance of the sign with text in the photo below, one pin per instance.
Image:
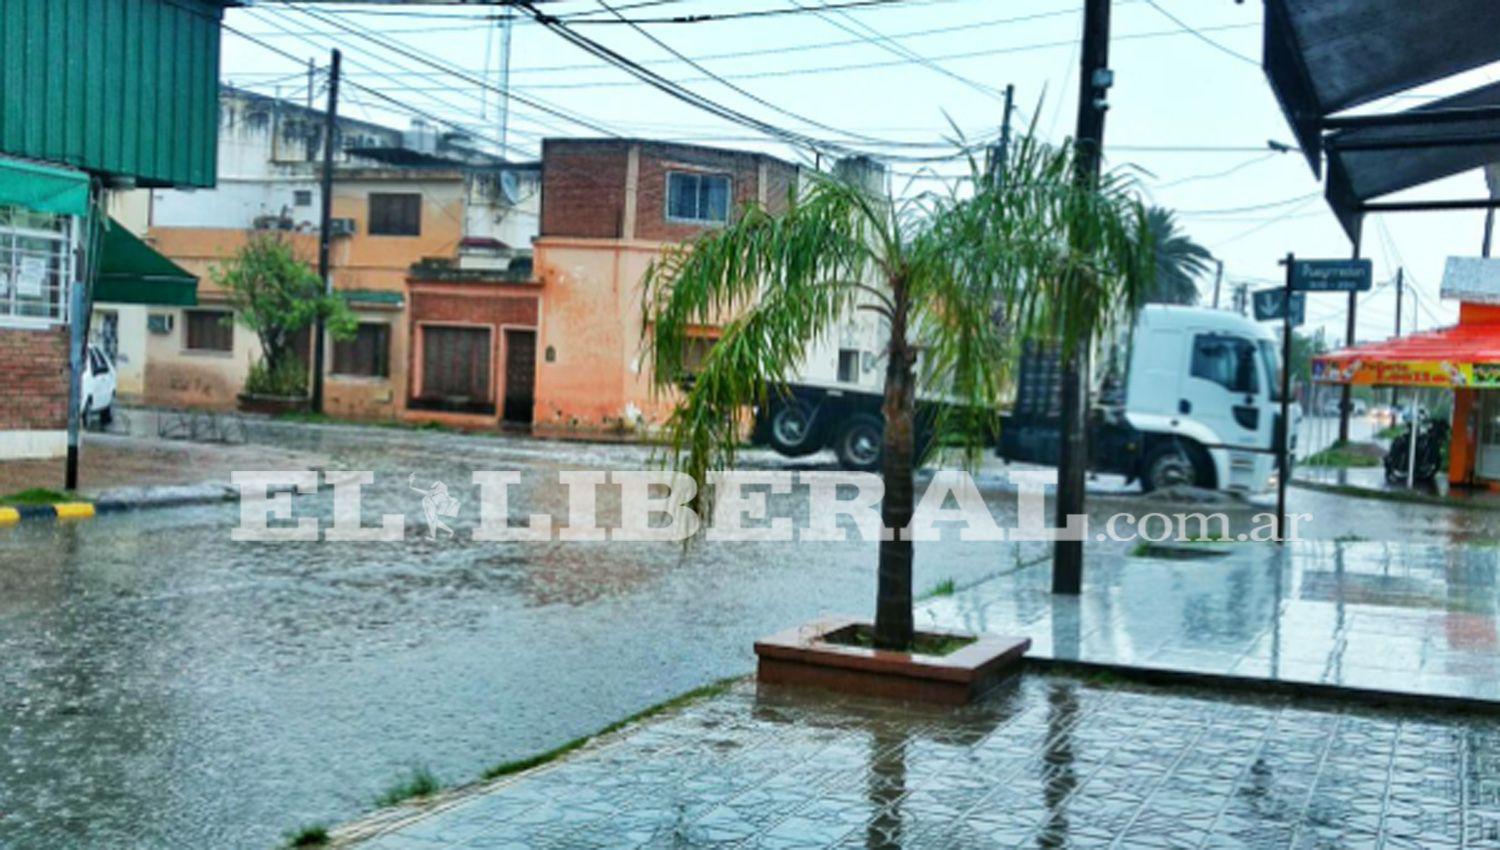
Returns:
(1268, 305)
(1332, 275)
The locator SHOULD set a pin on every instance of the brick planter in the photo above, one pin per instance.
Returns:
(273, 405)
(801, 656)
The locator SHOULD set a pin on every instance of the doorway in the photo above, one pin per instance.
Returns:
(520, 376)
(1487, 460)
(456, 369)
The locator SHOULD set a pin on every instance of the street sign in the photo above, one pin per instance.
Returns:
(1332, 275)
(1268, 305)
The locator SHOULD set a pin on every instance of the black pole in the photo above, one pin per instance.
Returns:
(1072, 472)
(325, 223)
(1346, 393)
(1283, 433)
(1218, 279)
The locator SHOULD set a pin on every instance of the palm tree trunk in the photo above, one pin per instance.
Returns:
(893, 614)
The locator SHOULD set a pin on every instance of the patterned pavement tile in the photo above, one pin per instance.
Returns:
(1048, 761)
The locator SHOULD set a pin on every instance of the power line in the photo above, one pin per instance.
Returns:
(1200, 36)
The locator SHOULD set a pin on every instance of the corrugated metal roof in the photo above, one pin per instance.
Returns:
(119, 87)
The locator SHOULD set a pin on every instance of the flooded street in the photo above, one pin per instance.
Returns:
(162, 686)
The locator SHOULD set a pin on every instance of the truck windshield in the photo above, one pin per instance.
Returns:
(1272, 361)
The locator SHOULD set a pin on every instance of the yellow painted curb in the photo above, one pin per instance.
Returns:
(9, 516)
(73, 510)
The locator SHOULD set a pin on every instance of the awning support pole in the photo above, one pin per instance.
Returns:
(1411, 447)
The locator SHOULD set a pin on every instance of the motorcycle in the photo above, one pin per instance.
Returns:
(1432, 437)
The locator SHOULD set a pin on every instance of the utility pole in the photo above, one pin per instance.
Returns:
(1346, 392)
(1004, 156)
(504, 105)
(1218, 279)
(1094, 80)
(325, 222)
(1400, 281)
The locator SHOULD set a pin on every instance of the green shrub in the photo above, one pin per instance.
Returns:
(287, 379)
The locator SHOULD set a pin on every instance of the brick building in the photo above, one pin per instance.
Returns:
(609, 207)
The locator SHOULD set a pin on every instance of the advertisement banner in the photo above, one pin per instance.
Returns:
(1407, 373)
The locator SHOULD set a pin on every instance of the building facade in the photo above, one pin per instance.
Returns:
(403, 200)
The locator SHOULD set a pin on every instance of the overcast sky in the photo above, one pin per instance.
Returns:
(1193, 111)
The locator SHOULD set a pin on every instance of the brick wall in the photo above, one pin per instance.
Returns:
(482, 309)
(584, 185)
(33, 379)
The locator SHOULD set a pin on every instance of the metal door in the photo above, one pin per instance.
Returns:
(520, 375)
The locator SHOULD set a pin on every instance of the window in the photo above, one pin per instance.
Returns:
(698, 198)
(1228, 361)
(1272, 362)
(36, 265)
(694, 351)
(302, 197)
(208, 330)
(848, 366)
(395, 214)
(368, 354)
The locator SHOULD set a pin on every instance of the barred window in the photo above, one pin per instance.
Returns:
(367, 354)
(36, 266)
(208, 330)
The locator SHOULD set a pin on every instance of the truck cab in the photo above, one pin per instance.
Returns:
(1202, 391)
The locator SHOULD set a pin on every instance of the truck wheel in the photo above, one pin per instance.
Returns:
(859, 446)
(791, 430)
(1171, 465)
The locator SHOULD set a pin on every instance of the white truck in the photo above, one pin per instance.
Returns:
(1196, 401)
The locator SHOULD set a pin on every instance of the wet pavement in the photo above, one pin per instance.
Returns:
(1046, 761)
(161, 686)
(1408, 618)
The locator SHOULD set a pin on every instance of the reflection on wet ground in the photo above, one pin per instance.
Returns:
(161, 686)
(1399, 617)
(1047, 761)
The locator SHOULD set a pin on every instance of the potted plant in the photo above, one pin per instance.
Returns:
(278, 296)
(1032, 252)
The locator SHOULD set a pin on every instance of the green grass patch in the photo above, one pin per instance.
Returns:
(1347, 455)
(35, 496)
(710, 690)
(946, 587)
(419, 783)
(309, 836)
(1390, 432)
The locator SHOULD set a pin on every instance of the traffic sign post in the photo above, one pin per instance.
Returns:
(1283, 468)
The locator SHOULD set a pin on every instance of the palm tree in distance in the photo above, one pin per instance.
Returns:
(1179, 260)
(966, 276)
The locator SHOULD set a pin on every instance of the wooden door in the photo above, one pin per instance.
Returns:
(520, 375)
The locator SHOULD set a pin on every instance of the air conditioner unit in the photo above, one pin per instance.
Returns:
(159, 323)
(342, 227)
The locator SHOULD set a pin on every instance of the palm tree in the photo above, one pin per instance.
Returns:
(1179, 260)
(966, 276)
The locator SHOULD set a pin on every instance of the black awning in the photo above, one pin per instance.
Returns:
(1326, 56)
(1372, 161)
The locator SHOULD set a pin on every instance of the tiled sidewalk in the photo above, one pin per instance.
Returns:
(1417, 619)
(1048, 761)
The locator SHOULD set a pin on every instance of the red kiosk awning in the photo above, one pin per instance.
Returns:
(1466, 355)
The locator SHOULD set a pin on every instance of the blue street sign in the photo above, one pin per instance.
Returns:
(1332, 275)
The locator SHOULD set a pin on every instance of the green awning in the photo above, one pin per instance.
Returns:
(43, 188)
(132, 272)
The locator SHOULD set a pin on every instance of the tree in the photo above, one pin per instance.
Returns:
(1179, 260)
(278, 296)
(965, 277)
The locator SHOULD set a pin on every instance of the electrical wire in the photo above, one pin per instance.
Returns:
(1200, 36)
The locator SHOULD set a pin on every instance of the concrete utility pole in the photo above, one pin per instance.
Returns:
(1400, 281)
(325, 223)
(1346, 392)
(1218, 279)
(1004, 155)
(1094, 80)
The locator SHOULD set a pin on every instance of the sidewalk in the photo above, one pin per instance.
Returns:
(1047, 761)
(1052, 759)
(1416, 619)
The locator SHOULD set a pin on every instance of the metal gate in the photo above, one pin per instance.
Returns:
(456, 369)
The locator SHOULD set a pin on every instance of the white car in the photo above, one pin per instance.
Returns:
(98, 385)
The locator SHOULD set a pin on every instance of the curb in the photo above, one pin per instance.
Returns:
(1398, 497)
(56, 511)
